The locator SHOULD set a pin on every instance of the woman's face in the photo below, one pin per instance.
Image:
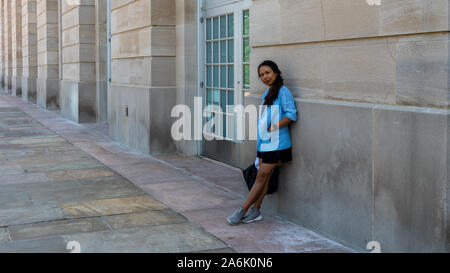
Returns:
(267, 75)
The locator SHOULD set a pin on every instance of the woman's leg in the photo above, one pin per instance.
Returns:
(260, 187)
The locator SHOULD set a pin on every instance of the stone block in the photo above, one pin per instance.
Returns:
(422, 73)
(47, 93)
(78, 101)
(148, 111)
(328, 185)
(16, 88)
(29, 89)
(410, 180)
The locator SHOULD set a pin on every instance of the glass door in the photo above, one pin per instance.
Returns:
(224, 72)
(225, 64)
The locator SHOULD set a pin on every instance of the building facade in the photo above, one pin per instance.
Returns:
(370, 79)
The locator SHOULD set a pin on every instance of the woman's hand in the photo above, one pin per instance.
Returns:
(273, 128)
(284, 122)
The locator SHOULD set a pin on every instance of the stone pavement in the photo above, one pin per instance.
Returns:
(61, 182)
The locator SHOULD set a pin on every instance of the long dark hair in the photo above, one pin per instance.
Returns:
(279, 82)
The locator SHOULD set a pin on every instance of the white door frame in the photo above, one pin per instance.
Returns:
(232, 6)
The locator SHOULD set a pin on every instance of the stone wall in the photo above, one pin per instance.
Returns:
(142, 92)
(47, 83)
(371, 143)
(29, 49)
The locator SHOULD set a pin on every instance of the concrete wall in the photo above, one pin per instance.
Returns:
(47, 83)
(16, 26)
(143, 74)
(29, 49)
(78, 84)
(371, 143)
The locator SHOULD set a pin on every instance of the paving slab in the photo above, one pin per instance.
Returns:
(160, 239)
(41, 245)
(29, 214)
(54, 228)
(111, 206)
(4, 235)
(144, 219)
(191, 195)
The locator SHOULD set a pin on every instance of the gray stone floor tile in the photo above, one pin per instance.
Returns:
(62, 227)
(171, 238)
(29, 214)
(111, 206)
(144, 219)
(4, 235)
(45, 245)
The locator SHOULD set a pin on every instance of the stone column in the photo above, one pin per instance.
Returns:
(8, 44)
(29, 49)
(187, 63)
(47, 83)
(143, 92)
(101, 55)
(16, 26)
(2, 47)
(78, 85)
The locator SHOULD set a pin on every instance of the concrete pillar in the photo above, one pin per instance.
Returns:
(143, 88)
(78, 85)
(29, 49)
(47, 83)
(16, 30)
(8, 44)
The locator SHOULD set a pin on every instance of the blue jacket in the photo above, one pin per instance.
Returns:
(283, 106)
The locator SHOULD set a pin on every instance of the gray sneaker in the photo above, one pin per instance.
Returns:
(236, 217)
(253, 216)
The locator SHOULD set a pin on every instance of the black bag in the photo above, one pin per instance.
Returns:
(250, 177)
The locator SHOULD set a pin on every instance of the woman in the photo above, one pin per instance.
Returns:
(274, 141)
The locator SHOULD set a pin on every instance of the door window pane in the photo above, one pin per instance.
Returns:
(231, 25)
(208, 53)
(230, 76)
(230, 98)
(246, 50)
(223, 26)
(230, 51)
(208, 29)
(223, 100)
(246, 30)
(208, 97)
(246, 76)
(216, 28)
(216, 97)
(223, 76)
(223, 51)
(216, 76)
(216, 52)
(209, 76)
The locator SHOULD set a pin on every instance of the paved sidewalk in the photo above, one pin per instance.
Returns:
(62, 181)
